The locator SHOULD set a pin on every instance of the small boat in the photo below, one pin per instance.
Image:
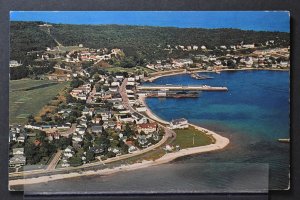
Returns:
(287, 140)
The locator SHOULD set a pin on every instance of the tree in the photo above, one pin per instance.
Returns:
(76, 83)
(18, 72)
(31, 119)
(41, 136)
(75, 161)
(124, 147)
(29, 150)
(64, 142)
(90, 156)
(128, 131)
(110, 154)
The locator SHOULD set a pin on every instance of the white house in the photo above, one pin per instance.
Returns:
(141, 109)
(179, 124)
(248, 46)
(131, 79)
(195, 47)
(68, 152)
(18, 151)
(115, 83)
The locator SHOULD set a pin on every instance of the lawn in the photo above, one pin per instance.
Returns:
(184, 138)
(28, 96)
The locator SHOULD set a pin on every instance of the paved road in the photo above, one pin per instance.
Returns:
(69, 131)
(55, 160)
(91, 94)
(122, 90)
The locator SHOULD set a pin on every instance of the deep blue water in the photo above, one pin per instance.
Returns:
(253, 114)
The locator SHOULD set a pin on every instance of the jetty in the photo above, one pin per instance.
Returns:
(169, 94)
(183, 88)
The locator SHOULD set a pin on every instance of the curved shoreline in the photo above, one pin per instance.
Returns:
(151, 79)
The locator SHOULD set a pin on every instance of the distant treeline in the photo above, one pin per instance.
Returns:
(144, 40)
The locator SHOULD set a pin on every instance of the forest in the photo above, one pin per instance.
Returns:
(147, 41)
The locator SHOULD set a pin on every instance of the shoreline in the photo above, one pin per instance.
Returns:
(149, 112)
(151, 79)
(220, 143)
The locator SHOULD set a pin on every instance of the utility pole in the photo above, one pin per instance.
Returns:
(194, 139)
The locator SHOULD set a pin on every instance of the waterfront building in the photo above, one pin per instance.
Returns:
(179, 123)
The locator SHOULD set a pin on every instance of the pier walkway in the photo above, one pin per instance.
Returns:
(180, 87)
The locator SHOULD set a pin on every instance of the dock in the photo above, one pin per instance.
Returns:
(182, 88)
(169, 94)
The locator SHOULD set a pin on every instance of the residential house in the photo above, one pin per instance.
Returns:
(248, 46)
(22, 137)
(97, 129)
(69, 152)
(139, 119)
(17, 160)
(18, 151)
(147, 127)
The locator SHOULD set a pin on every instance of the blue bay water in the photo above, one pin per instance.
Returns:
(253, 114)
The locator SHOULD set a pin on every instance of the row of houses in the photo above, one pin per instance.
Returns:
(18, 159)
(81, 92)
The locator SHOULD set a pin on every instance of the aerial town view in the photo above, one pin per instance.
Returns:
(114, 101)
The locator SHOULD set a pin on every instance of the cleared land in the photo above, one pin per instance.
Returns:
(28, 96)
(191, 137)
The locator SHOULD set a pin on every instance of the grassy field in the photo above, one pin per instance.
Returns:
(28, 96)
(184, 138)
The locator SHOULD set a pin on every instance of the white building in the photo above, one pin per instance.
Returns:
(203, 47)
(179, 124)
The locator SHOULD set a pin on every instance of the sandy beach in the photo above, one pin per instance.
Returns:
(150, 113)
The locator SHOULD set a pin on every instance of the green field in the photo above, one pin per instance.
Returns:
(184, 138)
(28, 96)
